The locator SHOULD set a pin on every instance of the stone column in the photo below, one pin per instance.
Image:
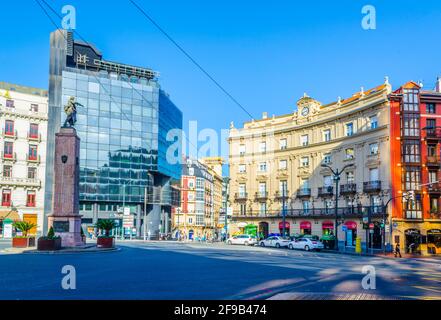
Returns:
(65, 218)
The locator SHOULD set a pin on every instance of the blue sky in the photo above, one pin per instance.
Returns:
(265, 53)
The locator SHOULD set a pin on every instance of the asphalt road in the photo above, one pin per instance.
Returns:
(176, 271)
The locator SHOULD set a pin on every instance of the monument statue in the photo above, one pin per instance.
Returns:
(71, 112)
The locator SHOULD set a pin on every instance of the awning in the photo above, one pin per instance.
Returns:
(9, 215)
(305, 225)
(287, 225)
(351, 225)
(328, 225)
(242, 224)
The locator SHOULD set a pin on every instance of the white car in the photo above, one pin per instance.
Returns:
(305, 244)
(275, 241)
(244, 239)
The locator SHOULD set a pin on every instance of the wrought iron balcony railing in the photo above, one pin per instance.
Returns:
(326, 191)
(372, 186)
(349, 188)
(304, 192)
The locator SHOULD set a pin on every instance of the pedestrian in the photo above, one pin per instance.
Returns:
(397, 250)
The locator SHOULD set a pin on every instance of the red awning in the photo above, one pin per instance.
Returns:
(328, 225)
(305, 225)
(351, 225)
(287, 225)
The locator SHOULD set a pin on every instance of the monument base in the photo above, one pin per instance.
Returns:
(68, 228)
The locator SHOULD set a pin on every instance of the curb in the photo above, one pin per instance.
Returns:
(77, 251)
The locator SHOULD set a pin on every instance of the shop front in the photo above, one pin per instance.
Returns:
(287, 228)
(263, 230)
(434, 241)
(327, 228)
(305, 228)
(250, 229)
(350, 233)
(412, 241)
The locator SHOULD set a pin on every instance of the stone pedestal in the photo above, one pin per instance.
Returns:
(65, 218)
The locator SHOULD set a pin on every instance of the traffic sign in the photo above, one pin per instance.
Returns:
(371, 226)
(387, 228)
(344, 228)
(365, 219)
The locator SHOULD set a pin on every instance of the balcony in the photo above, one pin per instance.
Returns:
(20, 182)
(433, 134)
(261, 196)
(9, 156)
(278, 195)
(327, 191)
(9, 134)
(372, 186)
(34, 137)
(434, 188)
(433, 161)
(241, 196)
(350, 188)
(304, 193)
(33, 159)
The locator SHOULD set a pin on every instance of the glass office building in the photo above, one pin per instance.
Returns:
(122, 121)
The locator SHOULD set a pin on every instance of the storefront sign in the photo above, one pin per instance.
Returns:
(7, 230)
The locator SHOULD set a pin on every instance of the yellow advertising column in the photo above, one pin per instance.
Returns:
(358, 245)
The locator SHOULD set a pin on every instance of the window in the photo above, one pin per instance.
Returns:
(243, 209)
(412, 178)
(33, 153)
(190, 220)
(6, 198)
(262, 209)
(431, 125)
(262, 147)
(262, 189)
(350, 153)
(373, 148)
(431, 150)
(283, 188)
(373, 174)
(199, 183)
(373, 122)
(410, 100)
(9, 127)
(430, 108)
(33, 130)
(350, 177)
(411, 151)
(242, 149)
(34, 107)
(191, 171)
(242, 168)
(30, 200)
(200, 195)
(433, 177)
(304, 161)
(7, 171)
(411, 125)
(327, 181)
(32, 173)
(304, 184)
(10, 103)
(413, 209)
(304, 140)
(242, 190)
(327, 158)
(283, 164)
(349, 129)
(8, 149)
(262, 167)
(283, 144)
(199, 219)
(327, 135)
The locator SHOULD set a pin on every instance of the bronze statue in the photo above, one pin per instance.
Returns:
(71, 112)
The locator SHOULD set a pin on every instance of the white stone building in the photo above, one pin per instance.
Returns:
(23, 125)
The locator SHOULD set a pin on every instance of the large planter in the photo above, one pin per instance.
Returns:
(45, 244)
(105, 242)
(19, 242)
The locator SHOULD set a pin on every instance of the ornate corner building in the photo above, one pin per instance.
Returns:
(23, 123)
(278, 161)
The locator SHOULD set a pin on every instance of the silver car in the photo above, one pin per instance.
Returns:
(243, 239)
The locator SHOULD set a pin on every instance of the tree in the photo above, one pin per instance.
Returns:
(106, 225)
(24, 226)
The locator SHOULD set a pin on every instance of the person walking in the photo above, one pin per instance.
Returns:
(397, 250)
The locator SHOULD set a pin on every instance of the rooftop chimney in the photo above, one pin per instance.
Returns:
(265, 115)
(438, 85)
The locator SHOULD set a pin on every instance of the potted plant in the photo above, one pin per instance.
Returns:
(105, 241)
(24, 240)
(49, 242)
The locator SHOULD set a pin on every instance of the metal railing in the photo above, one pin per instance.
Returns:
(304, 192)
(348, 188)
(372, 186)
(325, 191)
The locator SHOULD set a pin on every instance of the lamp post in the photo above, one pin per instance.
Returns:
(337, 175)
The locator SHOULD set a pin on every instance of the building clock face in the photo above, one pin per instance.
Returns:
(305, 111)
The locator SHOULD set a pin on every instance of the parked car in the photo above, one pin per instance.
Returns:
(306, 244)
(276, 241)
(244, 239)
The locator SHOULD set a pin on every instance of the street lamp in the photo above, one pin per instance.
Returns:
(337, 175)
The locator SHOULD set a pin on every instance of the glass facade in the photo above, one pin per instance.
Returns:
(121, 139)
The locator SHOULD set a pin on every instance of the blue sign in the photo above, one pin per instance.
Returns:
(344, 228)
